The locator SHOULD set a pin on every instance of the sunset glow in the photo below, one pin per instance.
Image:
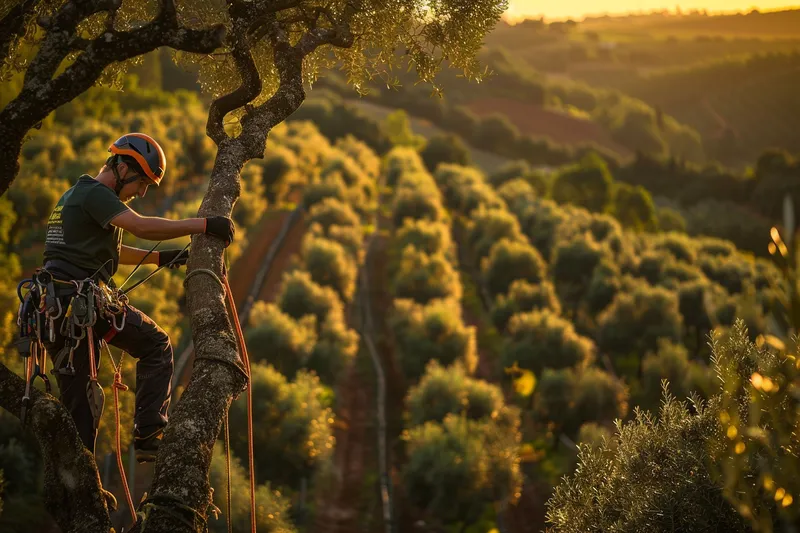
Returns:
(577, 9)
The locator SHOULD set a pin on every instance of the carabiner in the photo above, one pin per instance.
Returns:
(122, 322)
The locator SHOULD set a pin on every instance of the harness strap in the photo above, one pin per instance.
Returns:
(110, 335)
(75, 272)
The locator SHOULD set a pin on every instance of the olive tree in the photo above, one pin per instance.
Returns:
(539, 340)
(458, 466)
(635, 321)
(510, 261)
(523, 297)
(254, 59)
(293, 435)
(432, 332)
(445, 390)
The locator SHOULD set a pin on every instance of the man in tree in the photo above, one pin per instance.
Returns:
(257, 59)
(84, 240)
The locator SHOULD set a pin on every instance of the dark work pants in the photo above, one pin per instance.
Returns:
(143, 340)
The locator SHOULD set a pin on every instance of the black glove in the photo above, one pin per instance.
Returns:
(178, 258)
(222, 228)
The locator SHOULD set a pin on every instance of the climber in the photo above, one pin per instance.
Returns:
(84, 240)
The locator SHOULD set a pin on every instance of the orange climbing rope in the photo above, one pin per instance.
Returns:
(246, 361)
(117, 387)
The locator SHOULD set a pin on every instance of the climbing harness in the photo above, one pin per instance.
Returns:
(38, 311)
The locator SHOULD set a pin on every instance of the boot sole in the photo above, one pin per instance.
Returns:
(145, 457)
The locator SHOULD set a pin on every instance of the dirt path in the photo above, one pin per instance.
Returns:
(339, 502)
(291, 247)
(244, 270)
(396, 385)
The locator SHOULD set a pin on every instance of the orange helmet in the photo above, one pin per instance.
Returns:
(146, 151)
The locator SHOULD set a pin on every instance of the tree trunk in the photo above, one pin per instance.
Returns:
(184, 459)
(71, 480)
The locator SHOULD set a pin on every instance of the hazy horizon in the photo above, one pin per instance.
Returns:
(578, 9)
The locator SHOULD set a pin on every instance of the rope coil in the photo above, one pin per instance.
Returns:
(210, 273)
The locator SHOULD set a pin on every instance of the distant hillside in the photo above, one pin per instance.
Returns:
(623, 46)
(560, 127)
(740, 107)
(769, 24)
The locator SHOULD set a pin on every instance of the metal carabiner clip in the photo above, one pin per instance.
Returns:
(122, 322)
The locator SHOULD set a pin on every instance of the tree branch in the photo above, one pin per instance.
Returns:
(340, 37)
(254, 11)
(41, 94)
(288, 59)
(249, 89)
(71, 480)
(60, 34)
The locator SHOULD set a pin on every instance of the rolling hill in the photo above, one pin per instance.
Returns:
(740, 107)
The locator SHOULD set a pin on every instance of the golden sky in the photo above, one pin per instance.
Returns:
(577, 9)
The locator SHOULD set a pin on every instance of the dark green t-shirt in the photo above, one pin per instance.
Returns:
(79, 229)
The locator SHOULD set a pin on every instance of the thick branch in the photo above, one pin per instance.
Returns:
(340, 37)
(290, 94)
(71, 480)
(253, 11)
(249, 89)
(41, 95)
(60, 33)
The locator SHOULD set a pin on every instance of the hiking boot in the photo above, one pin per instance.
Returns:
(146, 443)
(111, 501)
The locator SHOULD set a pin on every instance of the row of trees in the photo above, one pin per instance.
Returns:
(631, 122)
(526, 310)
(566, 287)
(702, 200)
(461, 439)
(301, 344)
(494, 133)
(743, 106)
(601, 58)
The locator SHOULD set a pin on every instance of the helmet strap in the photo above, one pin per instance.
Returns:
(120, 183)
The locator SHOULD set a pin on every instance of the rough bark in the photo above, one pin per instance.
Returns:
(41, 93)
(181, 472)
(71, 480)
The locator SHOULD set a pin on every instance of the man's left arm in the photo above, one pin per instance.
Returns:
(129, 255)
